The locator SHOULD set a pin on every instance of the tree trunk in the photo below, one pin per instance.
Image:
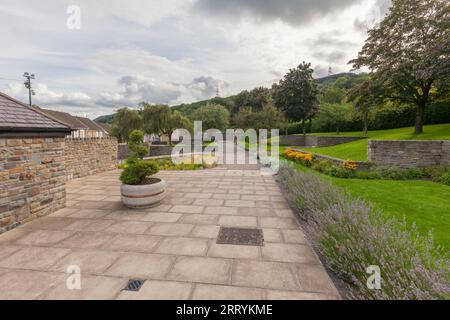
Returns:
(337, 129)
(419, 120)
(304, 127)
(366, 125)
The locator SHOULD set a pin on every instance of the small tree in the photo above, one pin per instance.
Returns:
(213, 116)
(409, 53)
(334, 115)
(365, 95)
(297, 94)
(162, 120)
(125, 121)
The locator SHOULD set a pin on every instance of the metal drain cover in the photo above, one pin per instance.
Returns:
(134, 285)
(240, 237)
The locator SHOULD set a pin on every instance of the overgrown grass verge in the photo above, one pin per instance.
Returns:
(352, 236)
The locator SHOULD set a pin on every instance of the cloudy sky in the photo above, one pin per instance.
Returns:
(170, 51)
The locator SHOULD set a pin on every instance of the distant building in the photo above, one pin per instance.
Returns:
(94, 129)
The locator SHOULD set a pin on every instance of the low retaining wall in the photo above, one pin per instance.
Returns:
(90, 156)
(32, 179)
(316, 141)
(409, 153)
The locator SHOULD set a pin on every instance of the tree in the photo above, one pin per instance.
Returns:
(268, 118)
(125, 121)
(213, 116)
(297, 94)
(332, 114)
(256, 99)
(365, 96)
(408, 54)
(162, 120)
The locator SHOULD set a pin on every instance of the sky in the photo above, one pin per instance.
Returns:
(91, 58)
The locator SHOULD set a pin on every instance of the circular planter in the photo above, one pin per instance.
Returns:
(143, 196)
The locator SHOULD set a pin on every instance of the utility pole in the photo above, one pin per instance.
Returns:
(28, 85)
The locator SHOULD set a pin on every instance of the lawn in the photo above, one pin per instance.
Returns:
(357, 150)
(423, 202)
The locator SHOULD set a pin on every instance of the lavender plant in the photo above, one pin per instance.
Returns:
(352, 236)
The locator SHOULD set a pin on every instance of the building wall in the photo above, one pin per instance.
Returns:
(409, 153)
(32, 179)
(316, 141)
(90, 156)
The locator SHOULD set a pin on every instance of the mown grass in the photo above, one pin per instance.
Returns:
(423, 202)
(357, 150)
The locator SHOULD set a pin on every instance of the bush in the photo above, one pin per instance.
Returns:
(138, 171)
(339, 172)
(352, 236)
(445, 178)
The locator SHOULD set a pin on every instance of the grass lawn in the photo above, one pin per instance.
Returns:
(357, 150)
(423, 202)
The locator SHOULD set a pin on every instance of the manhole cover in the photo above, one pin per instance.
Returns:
(240, 237)
(134, 285)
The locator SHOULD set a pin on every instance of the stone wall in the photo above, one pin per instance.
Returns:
(409, 153)
(32, 179)
(90, 156)
(316, 141)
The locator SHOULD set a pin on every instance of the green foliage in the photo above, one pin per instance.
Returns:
(213, 116)
(162, 120)
(125, 121)
(408, 52)
(138, 171)
(256, 99)
(334, 115)
(136, 144)
(106, 119)
(445, 178)
(297, 93)
(267, 118)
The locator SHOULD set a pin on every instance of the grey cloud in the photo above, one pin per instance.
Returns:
(136, 89)
(293, 12)
(376, 14)
(332, 57)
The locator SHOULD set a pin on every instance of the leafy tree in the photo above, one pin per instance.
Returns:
(245, 118)
(125, 121)
(297, 94)
(162, 120)
(256, 99)
(365, 96)
(213, 116)
(268, 118)
(408, 54)
(333, 114)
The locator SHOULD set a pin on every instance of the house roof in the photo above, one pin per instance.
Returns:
(73, 122)
(16, 116)
(105, 126)
(91, 125)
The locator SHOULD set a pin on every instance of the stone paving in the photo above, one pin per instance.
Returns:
(172, 246)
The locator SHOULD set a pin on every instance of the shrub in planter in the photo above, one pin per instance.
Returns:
(139, 189)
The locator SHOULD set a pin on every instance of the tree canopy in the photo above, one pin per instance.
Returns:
(125, 121)
(213, 116)
(297, 93)
(408, 54)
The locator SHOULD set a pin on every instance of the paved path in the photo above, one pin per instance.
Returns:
(172, 246)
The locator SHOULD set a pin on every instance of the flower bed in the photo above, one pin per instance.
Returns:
(351, 236)
(349, 169)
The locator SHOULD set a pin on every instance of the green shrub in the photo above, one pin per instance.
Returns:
(321, 165)
(391, 173)
(138, 171)
(339, 172)
(136, 144)
(367, 175)
(445, 178)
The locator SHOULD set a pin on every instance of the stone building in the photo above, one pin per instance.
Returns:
(32, 164)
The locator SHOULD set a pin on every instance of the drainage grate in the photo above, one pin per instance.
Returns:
(240, 237)
(134, 285)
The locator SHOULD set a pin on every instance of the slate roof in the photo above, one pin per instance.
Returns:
(73, 122)
(105, 126)
(16, 116)
(90, 124)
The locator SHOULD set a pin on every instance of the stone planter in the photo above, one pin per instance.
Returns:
(143, 196)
